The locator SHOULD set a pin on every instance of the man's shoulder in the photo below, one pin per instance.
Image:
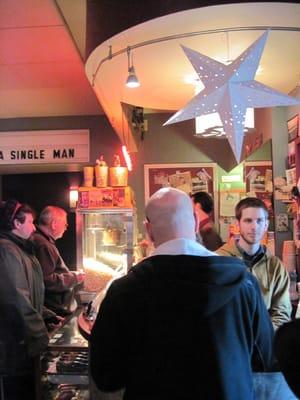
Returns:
(8, 246)
(4, 242)
(274, 262)
(39, 239)
(137, 274)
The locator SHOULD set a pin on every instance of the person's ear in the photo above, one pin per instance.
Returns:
(16, 224)
(197, 206)
(267, 224)
(53, 224)
(237, 225)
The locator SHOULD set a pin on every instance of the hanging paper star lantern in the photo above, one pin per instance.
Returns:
(230, 90)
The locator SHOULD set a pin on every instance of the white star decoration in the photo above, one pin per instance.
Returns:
(230, 90)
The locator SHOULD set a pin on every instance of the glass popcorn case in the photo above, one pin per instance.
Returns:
(105, 243)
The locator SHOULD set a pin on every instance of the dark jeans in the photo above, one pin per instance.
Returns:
(18, 387)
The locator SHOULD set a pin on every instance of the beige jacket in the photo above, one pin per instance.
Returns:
(273, 280)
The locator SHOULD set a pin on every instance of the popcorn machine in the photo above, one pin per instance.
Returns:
(106, 235)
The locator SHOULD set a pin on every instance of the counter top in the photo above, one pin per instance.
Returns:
(87, 316)
(68, 336)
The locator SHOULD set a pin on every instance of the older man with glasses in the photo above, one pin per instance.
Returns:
(59, 280)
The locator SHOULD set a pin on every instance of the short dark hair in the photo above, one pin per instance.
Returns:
(11, 210)
(248, 202)
(205, 200)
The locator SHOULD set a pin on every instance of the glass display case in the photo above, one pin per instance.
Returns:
(105, 243)
(63, 369)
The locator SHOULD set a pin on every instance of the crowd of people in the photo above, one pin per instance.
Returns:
(197, 319)
(32, 275)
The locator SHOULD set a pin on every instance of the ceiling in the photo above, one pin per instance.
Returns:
(162, 67)
(41, 68)
(42, 47)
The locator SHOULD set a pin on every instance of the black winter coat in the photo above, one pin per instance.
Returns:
(23, 333)
(182, 327)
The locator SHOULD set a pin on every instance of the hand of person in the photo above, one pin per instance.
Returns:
(80, 276)
(54, 322)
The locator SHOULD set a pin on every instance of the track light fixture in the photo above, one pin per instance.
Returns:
(132, 80)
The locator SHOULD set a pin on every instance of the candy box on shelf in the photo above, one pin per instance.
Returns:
(104, 197)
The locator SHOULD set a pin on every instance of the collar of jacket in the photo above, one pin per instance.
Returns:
(233, 249)
(24, 244)
(251, 259)
(261, 250)
(230, 248)
(42, 233)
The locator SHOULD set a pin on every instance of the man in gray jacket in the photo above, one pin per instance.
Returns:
(59, 280)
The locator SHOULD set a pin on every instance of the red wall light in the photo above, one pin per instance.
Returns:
(127, 158)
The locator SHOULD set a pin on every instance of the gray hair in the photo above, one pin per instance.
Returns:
(50, 213)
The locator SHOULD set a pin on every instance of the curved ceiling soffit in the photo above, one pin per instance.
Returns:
(108, 18)
(161, 65)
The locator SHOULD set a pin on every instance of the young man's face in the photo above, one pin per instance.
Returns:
(253, 224)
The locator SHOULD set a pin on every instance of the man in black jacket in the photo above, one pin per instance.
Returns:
(184, 323)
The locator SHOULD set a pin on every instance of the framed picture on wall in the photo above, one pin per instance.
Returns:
(259, 182)
(189, 177)
(258, 176)
(293, 127)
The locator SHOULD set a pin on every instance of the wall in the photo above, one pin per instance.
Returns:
(39, 190)
(279, 153)
(176, 144)
(170, 144)
(103, 139)
(51, 186)
(280, 115)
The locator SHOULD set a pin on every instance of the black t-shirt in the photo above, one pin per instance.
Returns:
(251, 259)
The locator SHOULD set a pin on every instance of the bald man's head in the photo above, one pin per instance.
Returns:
(170, 216)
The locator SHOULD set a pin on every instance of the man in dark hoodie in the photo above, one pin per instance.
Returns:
(184, 324)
